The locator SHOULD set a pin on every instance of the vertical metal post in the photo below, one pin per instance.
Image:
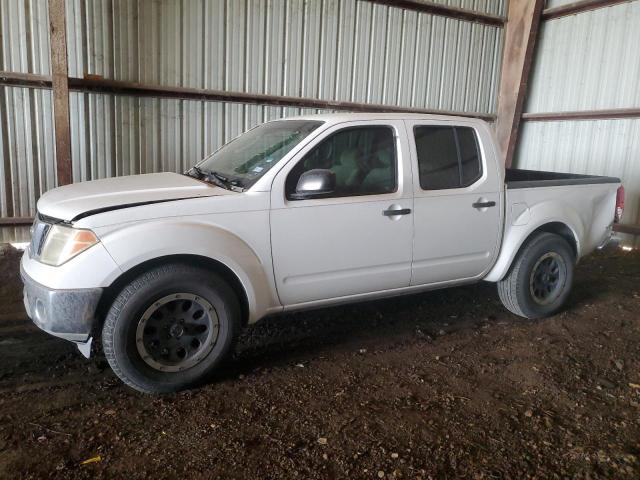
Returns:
(523, 22)
(60, 84)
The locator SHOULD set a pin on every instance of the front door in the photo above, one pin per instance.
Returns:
(350, 241)
(457, 202)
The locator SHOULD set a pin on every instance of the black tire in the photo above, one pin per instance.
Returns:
(138, 297)
(520, 292)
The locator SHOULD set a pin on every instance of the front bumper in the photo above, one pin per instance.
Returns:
(68, 314)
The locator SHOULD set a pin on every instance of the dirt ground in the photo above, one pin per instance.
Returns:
(439, 385)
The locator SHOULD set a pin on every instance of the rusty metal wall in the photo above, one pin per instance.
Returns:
(588, 61)
(352, 50)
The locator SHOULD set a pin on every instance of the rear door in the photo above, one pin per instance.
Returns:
(457, 199)
(346, 243)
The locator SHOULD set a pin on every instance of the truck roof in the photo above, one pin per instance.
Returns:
(354, 116)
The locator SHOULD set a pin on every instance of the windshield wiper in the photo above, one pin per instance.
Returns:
(199, 173)
(226, 182)
(215, 178)
(220, 178)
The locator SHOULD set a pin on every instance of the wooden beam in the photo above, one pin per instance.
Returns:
(578, 7)
(605, 114)
(15, 221)
(145, 90)
(101, 85)
(432, 8)
(520, 40)
(60, 85)
(28, 80)
(626, 228)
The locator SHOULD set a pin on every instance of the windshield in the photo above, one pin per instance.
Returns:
(241, 162)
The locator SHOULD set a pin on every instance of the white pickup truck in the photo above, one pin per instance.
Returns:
(297, 214)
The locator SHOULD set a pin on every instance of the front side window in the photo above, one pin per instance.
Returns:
(241, 162)
(448, 157)
(362, 158)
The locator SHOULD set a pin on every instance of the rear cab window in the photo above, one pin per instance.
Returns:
(448, 156)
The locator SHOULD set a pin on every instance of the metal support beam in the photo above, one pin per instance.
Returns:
(15, 221)
(27, 80)
(100, 85)
(626, 228)
(578, 7)
(445, 11)
(145, 90)
(60, 85)
(605, 114)
(520, 39)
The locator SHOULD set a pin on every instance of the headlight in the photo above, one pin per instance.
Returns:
(64, 243)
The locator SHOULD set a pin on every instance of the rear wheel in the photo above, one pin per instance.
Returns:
(540, 278)
(169, 328)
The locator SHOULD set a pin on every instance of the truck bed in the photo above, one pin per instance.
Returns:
(516, 178)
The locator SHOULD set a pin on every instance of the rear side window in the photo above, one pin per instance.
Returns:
(448, 157)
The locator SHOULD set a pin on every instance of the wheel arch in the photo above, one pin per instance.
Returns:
(509, 254)
(558, 228)
(141, 245)
(200, 261)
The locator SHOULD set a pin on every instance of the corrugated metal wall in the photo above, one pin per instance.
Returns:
(121, 135)
(588, 61)
(327, 49)
(351, 50)
(558, 3)
(24, 26)
(26, 121)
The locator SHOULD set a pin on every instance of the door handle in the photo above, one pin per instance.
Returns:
(393, 213)
(483, 204)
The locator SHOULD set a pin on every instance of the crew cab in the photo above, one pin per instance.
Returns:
(295, 214)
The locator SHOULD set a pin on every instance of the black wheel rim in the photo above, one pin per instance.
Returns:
(547, 279)
(176, 332)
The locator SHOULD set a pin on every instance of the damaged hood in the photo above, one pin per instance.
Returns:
(79, 200)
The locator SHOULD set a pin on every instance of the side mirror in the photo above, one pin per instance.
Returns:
(314, 183)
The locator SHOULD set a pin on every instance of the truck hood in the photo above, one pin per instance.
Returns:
(79, 200)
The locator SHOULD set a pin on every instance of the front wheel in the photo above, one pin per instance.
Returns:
(540, 278)
(169, 328)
